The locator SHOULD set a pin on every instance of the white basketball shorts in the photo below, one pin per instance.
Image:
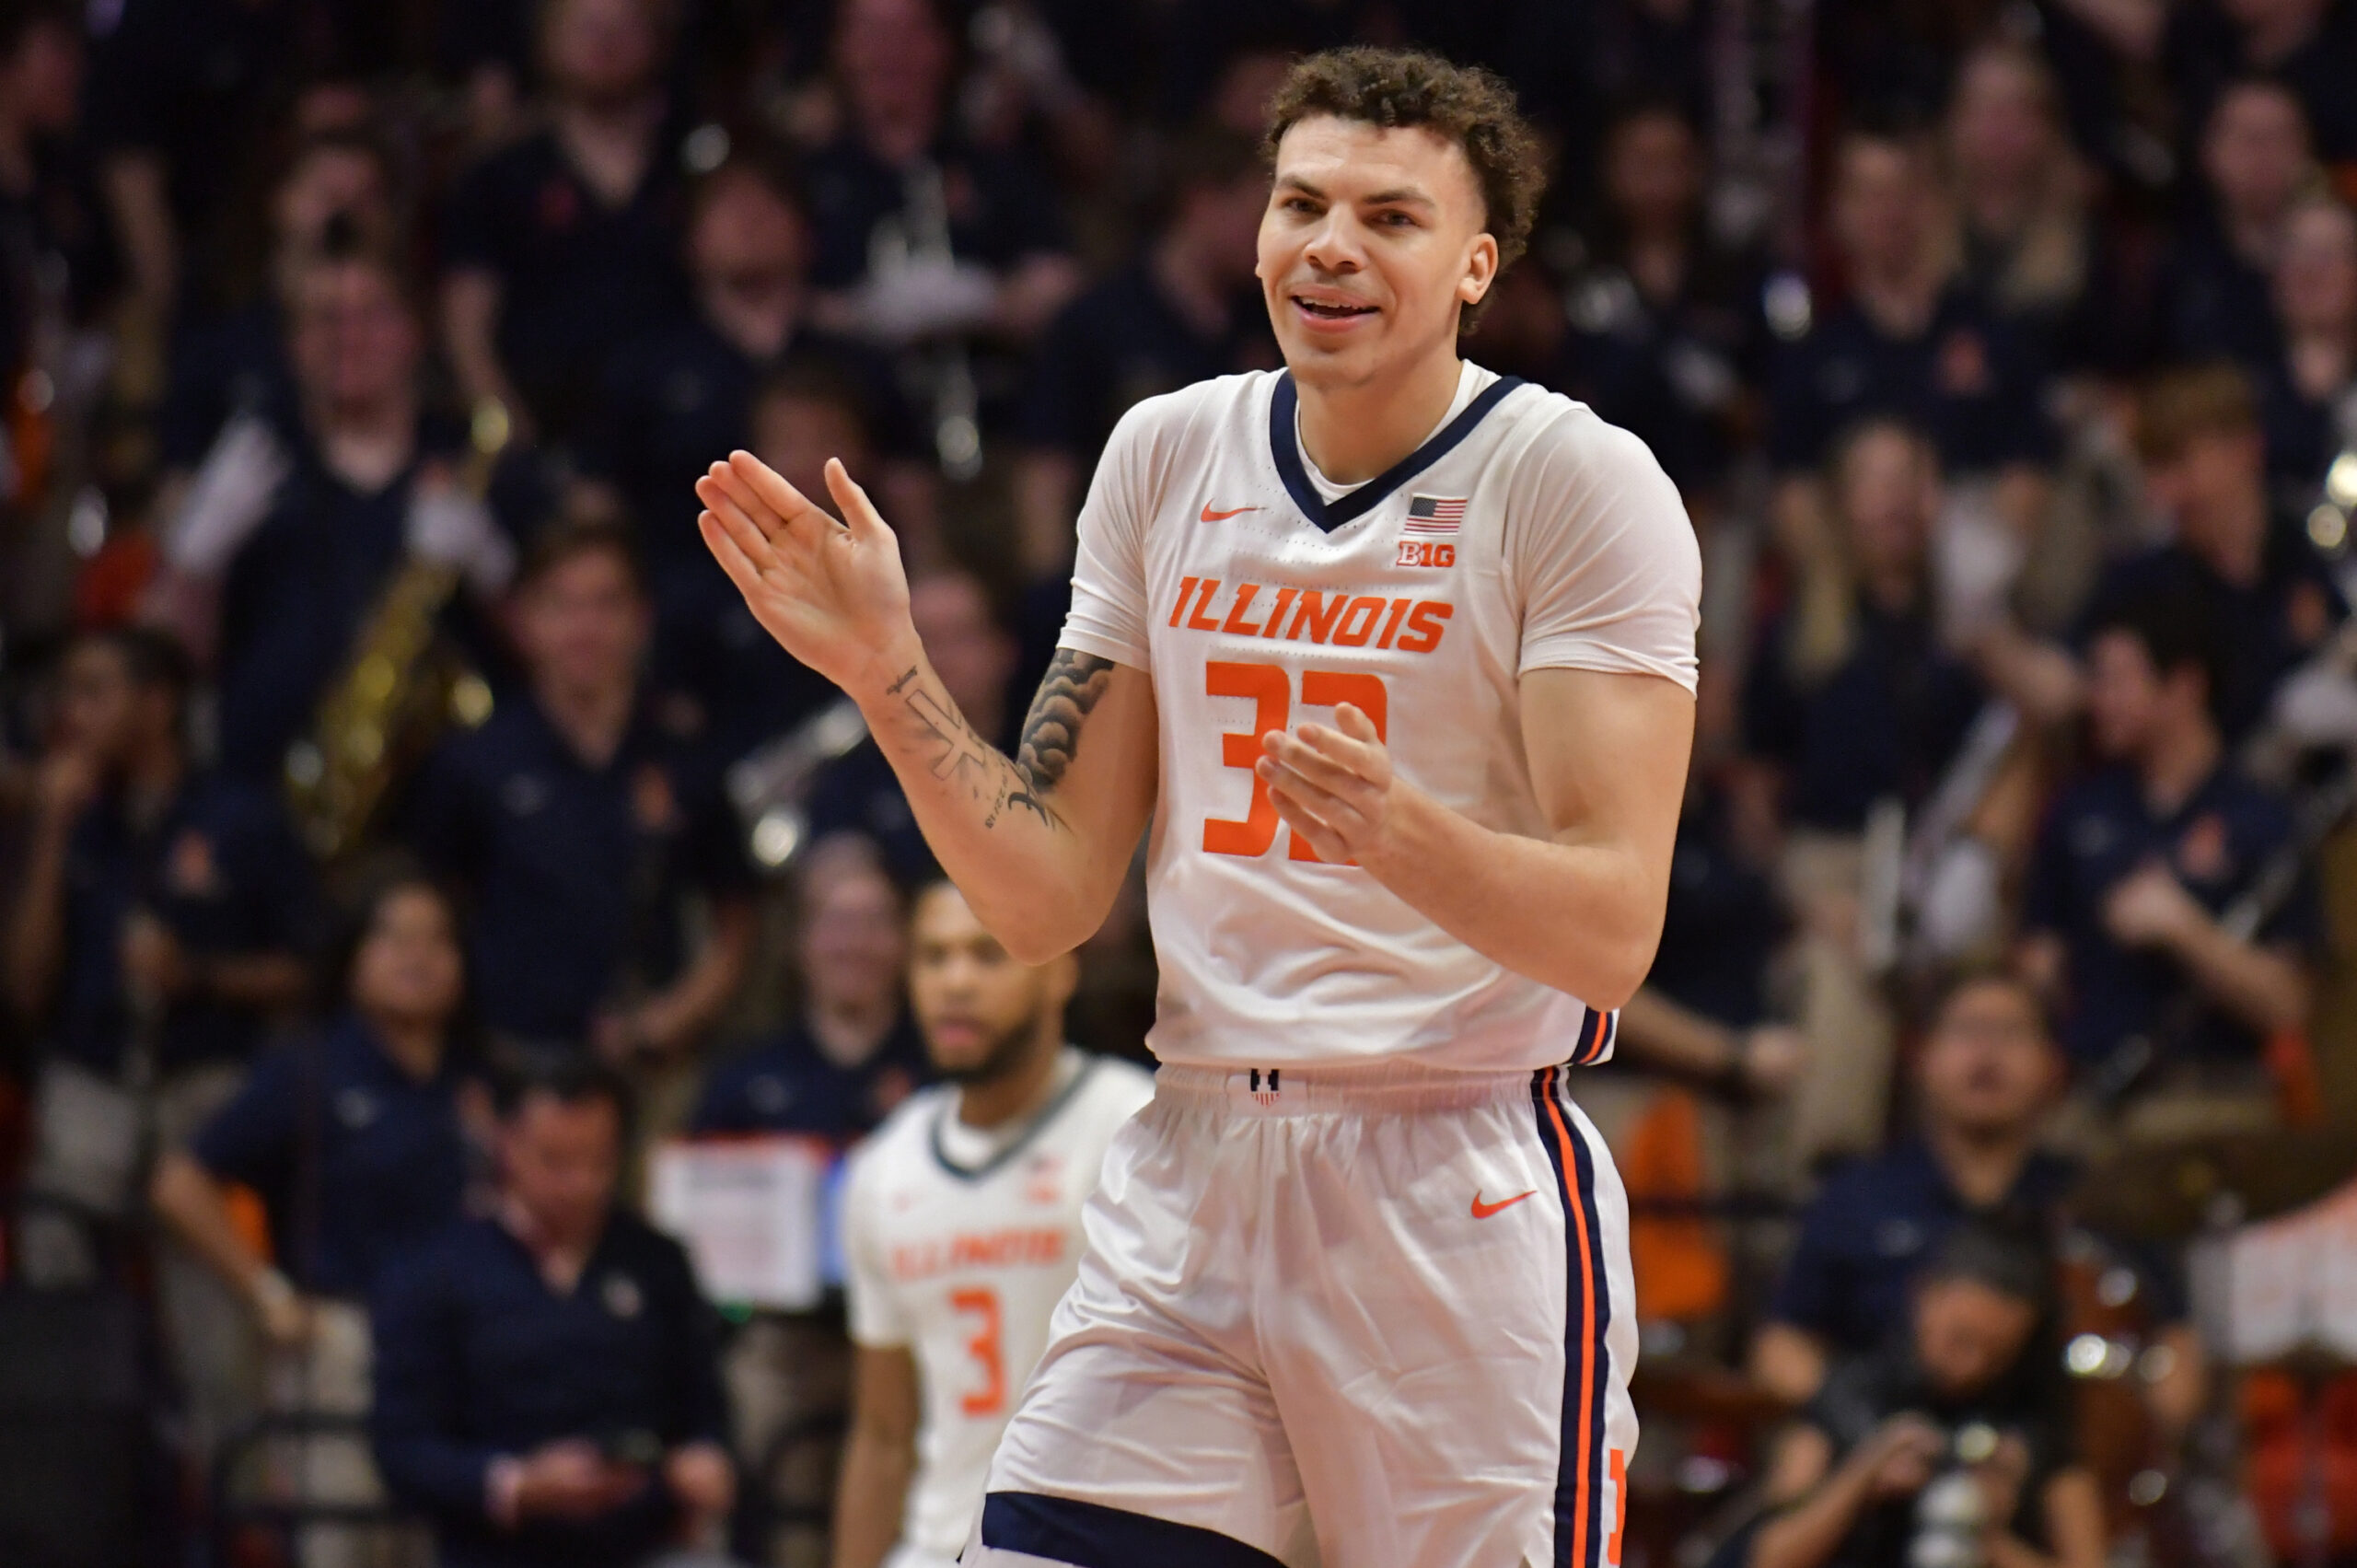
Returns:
(1379, 1317)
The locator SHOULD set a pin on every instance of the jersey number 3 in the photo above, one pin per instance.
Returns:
(1272, 692)
(991, 1398)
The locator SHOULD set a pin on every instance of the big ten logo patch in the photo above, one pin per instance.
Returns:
(1426, 553)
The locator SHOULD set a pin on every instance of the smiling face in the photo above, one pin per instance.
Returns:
(1374, 241)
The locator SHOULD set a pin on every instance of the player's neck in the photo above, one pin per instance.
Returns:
(1354, 432)
(1015, 1095)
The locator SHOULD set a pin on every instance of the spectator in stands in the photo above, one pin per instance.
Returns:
(681, 395)
(2308, 396)
(1987, 1079)
(2269, 597)
(560, 246)
(713, 663)
(353, 1141)
(547, 1388)
(290, 537)
(1852, 701)
(1913, 343)
(158, 932)
(50, 202)
(1188, 309)
(2214, 293)
(181, 93)
(582, 833)
(236, 358)
(1666, 332)
(1844, 1484)
(2305, 44)
(978, 660)
(853, 1054)
(921, 238)
(2030, 246)
(2167, 1007)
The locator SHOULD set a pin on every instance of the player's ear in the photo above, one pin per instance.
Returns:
(1480, 270)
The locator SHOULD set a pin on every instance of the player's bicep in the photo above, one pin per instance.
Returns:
(1091, 754)
(1608, 756)
(883, 1394)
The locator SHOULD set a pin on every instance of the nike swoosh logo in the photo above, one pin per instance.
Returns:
(1212, 516)
(1484, 1211)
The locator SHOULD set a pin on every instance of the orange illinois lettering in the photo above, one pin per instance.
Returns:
(1235, 621)
(1185, 589)
(1353, 633)
(1277, 616)
(1199, 620)
(1391, 626)
(1424, 626)
(1315, 614)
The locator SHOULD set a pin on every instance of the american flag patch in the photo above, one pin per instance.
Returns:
(1434, 514)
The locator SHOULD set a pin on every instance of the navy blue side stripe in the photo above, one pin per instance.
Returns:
(1284, 446)
(1580, 1525)
(1090, 1535)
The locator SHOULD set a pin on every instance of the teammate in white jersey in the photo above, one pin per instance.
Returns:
(1397, 660)
(961, 1227)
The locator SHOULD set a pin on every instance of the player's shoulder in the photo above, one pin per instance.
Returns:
(1546, 426)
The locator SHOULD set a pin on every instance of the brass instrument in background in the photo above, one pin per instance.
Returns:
(403, 686)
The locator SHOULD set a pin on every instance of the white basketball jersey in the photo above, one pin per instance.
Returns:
(963, 1265)
(1524, 533)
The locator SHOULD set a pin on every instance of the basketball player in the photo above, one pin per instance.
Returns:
(961, 1226)
(1397, 658)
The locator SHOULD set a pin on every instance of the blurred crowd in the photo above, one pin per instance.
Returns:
(404, 830)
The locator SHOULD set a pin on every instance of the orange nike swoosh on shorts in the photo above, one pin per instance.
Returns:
(1484, 1211)
(1212, 516)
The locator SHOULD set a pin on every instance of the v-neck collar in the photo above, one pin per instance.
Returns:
(1285, 447)
(1021, 1141)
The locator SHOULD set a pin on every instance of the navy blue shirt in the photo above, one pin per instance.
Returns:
(680, 396)
(2263, 630)
(2303, 436)
(579, 872)
(1000, 210)
(787, 1084)
(578, 278)
(731, 684)
(2212, 304)
(1968, 381)
(1121, 343)
(1723, 923)
(1884, 722)
(2216, 844)
(1869, 1228)
(477, 1357)
(230, 365)
(357, 1163)
(1670, 371)
(858, 792)
(221, 870)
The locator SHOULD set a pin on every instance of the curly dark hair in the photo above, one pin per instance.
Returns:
(1471, 107)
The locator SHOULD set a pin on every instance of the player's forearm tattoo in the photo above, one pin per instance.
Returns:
(1051, 734)
(962, 757)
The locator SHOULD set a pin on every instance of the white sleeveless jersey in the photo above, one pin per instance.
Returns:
(963, 1265)
(1525, 533)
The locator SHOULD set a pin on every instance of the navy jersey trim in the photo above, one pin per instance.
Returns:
(1090, 1535)
(1580, 1525)
(1285, 447)
(1023, 1140)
